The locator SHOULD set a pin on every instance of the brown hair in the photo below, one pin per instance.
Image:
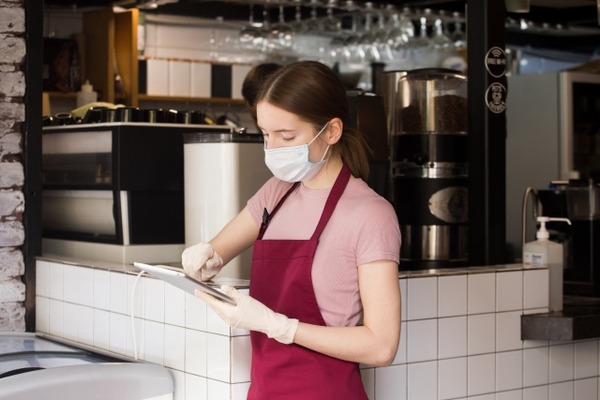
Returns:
(313, 92)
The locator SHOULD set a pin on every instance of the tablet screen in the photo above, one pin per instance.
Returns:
(182, 281)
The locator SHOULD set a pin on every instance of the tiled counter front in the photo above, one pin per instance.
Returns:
(460, 335)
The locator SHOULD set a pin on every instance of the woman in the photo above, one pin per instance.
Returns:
(324, 292)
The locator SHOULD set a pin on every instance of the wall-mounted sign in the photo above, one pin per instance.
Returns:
(495, 96)
(495, 62)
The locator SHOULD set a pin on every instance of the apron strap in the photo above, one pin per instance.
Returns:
(266, 218)
(336, 192)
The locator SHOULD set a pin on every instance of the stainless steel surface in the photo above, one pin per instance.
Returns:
(441, 243)
(431, 170)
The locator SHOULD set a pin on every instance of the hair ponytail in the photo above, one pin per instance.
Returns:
(354, 151)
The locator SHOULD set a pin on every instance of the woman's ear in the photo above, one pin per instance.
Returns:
(334, 131)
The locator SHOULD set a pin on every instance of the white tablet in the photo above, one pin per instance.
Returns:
(182, 281)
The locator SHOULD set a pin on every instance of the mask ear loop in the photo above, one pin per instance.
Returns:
(321, 131)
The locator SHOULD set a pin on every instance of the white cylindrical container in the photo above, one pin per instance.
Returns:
(221, 172)
(545, 253)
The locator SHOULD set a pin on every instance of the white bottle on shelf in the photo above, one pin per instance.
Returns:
(86, 95)
(545, 253)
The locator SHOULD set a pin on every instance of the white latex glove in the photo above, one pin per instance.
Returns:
(201, 261)
(251, 314)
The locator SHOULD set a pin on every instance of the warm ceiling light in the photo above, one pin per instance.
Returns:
(518, 6)
(152, 4)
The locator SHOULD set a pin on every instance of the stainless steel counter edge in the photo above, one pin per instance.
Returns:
(128, 268)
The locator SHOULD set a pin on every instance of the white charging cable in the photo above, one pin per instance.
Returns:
(131, 314)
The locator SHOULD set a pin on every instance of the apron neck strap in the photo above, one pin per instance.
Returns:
(336, 193)
(266, 218)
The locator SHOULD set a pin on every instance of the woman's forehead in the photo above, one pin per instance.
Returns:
(270, 116)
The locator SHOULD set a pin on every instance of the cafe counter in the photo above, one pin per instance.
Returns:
(461, 334)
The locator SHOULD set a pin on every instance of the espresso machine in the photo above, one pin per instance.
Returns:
(427, 122)
(114, 191)
(578, 200)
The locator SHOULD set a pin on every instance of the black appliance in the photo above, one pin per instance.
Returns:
(578, 200)
(115, 188)
(427, 122)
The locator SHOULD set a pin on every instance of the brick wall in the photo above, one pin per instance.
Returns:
(12, 203)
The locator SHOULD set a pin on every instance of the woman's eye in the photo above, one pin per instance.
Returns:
(287, 139)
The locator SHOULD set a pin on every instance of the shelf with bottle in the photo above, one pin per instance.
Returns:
(184, 99)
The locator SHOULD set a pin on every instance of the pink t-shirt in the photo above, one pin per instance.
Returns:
(363, 228)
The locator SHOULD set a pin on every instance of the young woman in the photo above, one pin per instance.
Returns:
(324, 291)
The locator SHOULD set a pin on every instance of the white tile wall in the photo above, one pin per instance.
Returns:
(422, 340)
(509, 370)
(423, 380)
(452, 296)
(481, 374)
(391, 383)
(586, 389)
(481, 333)
(452, 337)
(536, 366)
(509, 291)
(452, 378)
(586, 359)
(508, 331)
(481, 292)
(460, 337)
(561, 363)
(422, 297)
(510, 395)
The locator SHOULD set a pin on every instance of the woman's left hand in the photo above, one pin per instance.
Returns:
(251, 314)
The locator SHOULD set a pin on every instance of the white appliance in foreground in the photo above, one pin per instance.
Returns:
(32, 368)
(221, 172)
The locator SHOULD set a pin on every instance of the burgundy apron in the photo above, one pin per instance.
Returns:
(281, 279)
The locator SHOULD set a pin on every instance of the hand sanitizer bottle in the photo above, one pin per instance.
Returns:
(545, 253)
(86, 95)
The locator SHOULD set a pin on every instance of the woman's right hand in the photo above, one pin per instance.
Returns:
(201, 261)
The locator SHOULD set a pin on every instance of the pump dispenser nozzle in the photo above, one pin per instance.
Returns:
(542, 232)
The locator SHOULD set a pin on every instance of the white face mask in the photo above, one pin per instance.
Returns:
(291, 164)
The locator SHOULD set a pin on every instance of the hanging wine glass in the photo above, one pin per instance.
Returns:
(351, 51)
(313, 24)
(439, 40)
(282, 33)
(250, 36)
(458, 36)
(407, 25)
(331, 23)
(397, 36)
(265, 31)
(297, 24)
(366, 41)
(380, 42)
